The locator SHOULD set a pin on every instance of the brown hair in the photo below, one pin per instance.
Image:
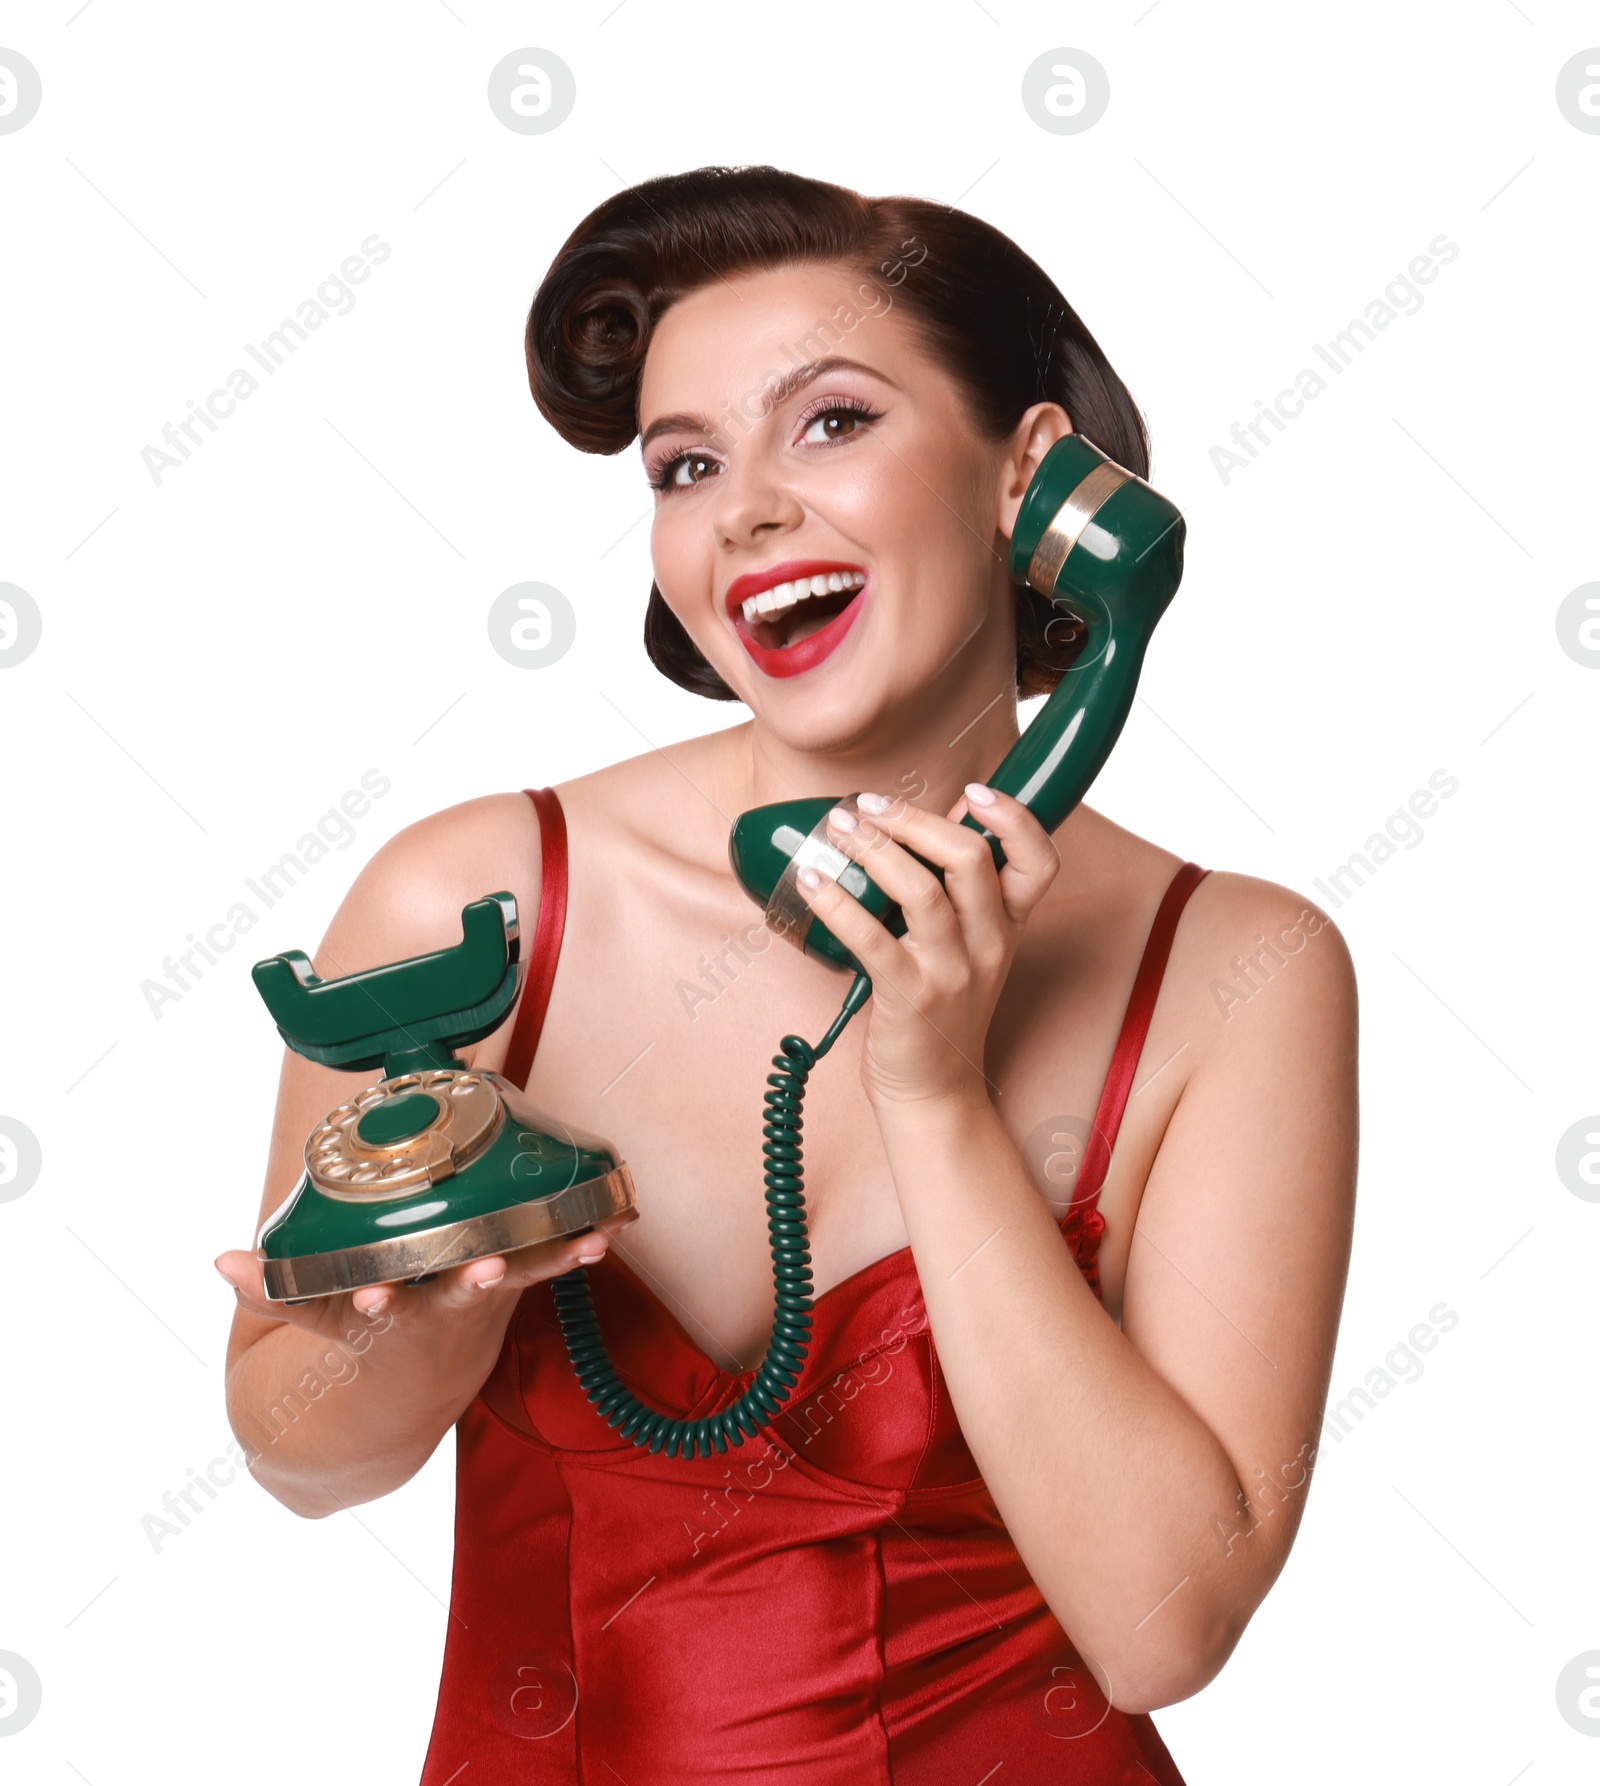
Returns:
(986, 311)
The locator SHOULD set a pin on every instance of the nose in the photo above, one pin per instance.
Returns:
(754, 499)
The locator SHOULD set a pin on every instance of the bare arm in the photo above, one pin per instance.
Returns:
(1151, 1478)
(340, 1400)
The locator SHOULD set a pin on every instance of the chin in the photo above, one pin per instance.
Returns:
(847, 713)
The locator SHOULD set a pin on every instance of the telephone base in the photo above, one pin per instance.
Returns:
(414, 1257)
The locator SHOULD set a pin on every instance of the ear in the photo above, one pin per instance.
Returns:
(1039, 430)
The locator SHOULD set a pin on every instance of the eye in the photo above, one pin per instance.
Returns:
(847, 409)
(665, 475)
(840, 418)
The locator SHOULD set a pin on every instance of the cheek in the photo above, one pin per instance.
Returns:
(907, 520)
(927, 535)
(868, 500)
(679, 561)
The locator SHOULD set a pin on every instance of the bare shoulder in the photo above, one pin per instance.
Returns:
(407, 900)
(1261, 981)
(1259, 959)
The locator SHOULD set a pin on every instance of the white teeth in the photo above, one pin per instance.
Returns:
(785, 595)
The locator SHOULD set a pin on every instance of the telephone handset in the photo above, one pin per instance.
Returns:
(438, 1165)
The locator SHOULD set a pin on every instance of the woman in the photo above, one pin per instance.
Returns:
(1055, 1432)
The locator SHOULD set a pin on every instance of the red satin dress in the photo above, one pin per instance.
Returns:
(836, 1603)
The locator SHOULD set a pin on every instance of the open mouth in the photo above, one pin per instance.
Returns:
(790, 613)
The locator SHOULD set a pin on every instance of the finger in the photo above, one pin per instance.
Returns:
(242, 1273)
(522, 1266)
(374, 1299)
(971, 886)
(465, 1286)
(915, 888)
(246, 1276)
(861, 933)
(1032, 859)
(239, 1270)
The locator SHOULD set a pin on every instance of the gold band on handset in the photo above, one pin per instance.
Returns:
(787, 912)
(1067, 526)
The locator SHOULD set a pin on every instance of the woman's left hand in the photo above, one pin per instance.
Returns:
(936, 987)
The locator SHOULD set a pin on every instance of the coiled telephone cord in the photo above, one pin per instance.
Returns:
(780, 1369)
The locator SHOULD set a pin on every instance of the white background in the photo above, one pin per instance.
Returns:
(225, 653)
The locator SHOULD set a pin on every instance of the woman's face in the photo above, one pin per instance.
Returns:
(867, 474)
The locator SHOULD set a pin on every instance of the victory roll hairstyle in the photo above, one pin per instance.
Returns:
(987, 312)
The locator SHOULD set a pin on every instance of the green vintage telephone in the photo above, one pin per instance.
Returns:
(437, 1164)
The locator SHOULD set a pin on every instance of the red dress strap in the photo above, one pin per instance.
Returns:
(545, 946)
(1130, 1039)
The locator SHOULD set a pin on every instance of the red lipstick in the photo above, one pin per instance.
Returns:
(791, 660)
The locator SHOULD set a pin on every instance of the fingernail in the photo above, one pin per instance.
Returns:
(809, 879)
(376, 1308)
(872, 802)
(590, 1254)
(979, 795)
(222, 1274)
(842, 819)
(488, 1283)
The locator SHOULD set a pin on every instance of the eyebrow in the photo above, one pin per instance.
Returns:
(791, 382)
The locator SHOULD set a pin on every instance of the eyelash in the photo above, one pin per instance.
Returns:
(660, 477)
